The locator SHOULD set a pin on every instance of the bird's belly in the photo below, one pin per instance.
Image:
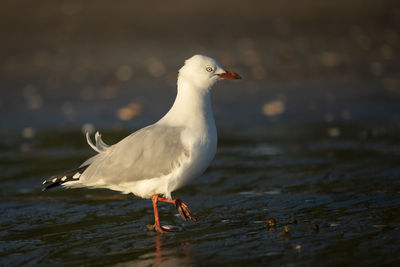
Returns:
(201, 155)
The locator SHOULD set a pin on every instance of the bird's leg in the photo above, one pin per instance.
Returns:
(157, 226)
(181, 206)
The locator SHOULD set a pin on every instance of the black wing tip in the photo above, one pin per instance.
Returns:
(48, 183)
(51, 186)
(67, 176)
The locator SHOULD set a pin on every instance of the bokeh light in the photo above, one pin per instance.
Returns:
(273, 108)
(129, 111)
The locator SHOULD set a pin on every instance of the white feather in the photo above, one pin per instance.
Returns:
(99, 142)
(90, 143)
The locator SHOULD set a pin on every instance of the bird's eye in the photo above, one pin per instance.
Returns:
(209, 69)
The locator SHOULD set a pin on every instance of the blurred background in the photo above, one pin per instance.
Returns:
(309, 138)
(103, 65)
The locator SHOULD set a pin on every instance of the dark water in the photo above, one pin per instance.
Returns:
(334, 193)
(326, 167)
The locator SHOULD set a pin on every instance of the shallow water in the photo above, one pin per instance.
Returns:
(335, 200)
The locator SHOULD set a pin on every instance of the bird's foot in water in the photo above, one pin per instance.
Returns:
(183, 209)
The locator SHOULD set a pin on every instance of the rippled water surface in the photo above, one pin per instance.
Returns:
(334, 199)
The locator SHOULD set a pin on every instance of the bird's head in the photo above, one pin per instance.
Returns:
(202, 72)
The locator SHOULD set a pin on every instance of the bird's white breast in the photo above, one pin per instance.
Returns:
(202, 144)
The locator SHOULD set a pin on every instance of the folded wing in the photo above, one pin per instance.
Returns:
(149, 153)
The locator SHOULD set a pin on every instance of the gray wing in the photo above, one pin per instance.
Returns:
(151, 152)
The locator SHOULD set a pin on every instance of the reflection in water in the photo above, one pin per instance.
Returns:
(176, 256)
(162, 256)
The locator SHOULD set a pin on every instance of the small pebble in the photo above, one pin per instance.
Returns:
(315, 227)
(286, 229)
(271, 222)
(173, 227)
(298, 248)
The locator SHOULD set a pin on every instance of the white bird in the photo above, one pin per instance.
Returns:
(158, 159)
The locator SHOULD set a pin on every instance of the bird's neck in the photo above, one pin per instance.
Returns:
(192, 107)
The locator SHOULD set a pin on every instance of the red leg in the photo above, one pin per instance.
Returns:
(182, 207)
(157, 224)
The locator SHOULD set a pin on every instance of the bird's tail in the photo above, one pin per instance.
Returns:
(71, 177)
(68, 176)
(100, 145)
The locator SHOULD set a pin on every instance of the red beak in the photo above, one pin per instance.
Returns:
(230, 75)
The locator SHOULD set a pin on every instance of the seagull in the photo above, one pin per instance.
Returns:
(160, 158)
